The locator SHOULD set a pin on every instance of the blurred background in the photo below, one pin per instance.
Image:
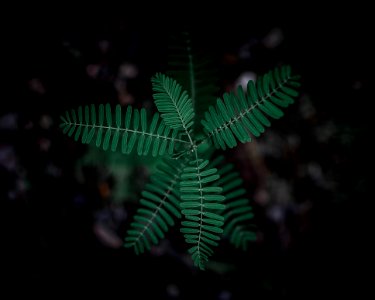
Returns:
(66, 207)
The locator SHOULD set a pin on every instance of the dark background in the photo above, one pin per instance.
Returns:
(49, 241)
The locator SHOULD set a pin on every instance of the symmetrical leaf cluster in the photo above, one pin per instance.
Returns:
(190, 189)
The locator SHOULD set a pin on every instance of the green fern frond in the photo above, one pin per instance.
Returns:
(127, 131)
(209, 195)
(201, 204)
(174, 104)
(195, 71)
(239, 117)
(160, 207)
(238, 211)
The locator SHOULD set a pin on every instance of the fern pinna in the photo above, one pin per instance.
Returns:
(238, 211)
(238, 115)
(160, 206)
(124, 134)
(201, 206)
(208, 196)
(196, 72)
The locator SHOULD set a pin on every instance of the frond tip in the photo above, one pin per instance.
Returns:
(240, 116)
(175, 106)
(127, 131)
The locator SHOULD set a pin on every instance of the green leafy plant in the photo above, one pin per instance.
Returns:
(189, 184)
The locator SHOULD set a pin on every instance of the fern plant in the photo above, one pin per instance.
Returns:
(190, 189)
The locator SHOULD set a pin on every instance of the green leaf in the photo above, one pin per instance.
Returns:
(115, 140)
(106, 139)
(118, 115)
(237, 213)
(126, 133)
(211, 236)
(240, 116)
(192, 212)
(209, 241)
(175, 106)
(189, 224)
(108, 114)
(99, 137)
(143, 120)
(199, 196)
(214, 206)
(190, 204)
(189, 230)
(158, 211)
(213, 222)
